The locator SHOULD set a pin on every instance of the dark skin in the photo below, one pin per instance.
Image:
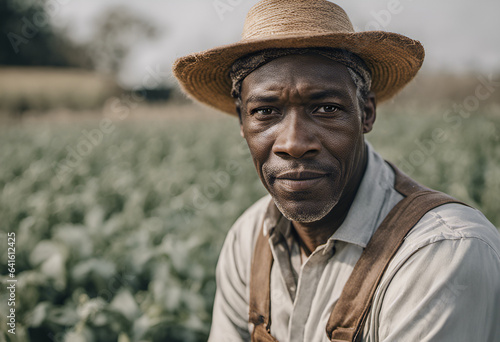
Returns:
(305, 130)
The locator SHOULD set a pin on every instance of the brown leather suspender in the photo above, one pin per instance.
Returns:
(348, 317)
(260, 291)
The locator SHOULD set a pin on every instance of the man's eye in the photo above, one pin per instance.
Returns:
(263, 111)
(327, 109)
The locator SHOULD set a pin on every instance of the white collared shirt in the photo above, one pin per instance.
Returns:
(443, 284)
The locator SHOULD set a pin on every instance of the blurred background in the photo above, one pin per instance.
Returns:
(120, 190)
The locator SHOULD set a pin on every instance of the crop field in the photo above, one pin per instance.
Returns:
(118, 224)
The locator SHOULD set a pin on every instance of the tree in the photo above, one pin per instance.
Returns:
(28, 38)
(117, 31)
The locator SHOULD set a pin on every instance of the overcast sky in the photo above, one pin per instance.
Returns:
(457, 35)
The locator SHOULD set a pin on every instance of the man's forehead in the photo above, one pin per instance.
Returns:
(313, 74)
(291, 64)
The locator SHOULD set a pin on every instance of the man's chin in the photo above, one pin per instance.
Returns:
(304, 212)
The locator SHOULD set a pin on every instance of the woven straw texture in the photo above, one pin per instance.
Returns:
(393, 59)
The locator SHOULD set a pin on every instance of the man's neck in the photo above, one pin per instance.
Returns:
(311, 235)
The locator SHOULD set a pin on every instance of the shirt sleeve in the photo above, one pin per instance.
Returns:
(448, 290)
(230, 316)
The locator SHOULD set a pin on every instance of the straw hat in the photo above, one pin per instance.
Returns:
(393, 59)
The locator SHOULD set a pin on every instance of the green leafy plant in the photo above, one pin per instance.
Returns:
(122, 244)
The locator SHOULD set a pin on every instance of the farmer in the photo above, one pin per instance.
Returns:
(345, 247)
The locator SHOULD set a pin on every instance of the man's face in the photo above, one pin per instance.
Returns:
(304, 127)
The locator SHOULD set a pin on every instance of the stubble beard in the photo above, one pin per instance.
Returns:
(306, 216)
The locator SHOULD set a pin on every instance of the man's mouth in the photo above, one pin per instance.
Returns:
(300, 180)
(300, 175)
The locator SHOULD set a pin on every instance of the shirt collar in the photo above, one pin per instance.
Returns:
(360, 222)
(271, 218)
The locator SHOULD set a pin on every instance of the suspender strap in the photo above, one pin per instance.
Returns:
(349, 314)
(260, 290)
(348, 317)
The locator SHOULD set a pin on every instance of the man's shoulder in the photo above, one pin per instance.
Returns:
(247, 226)
(236, 254)
(451, 231)
(252, 217)
(447, 268)
(450, 241)
(454, 222)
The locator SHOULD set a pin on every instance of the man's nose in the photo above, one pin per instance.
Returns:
(295, 138)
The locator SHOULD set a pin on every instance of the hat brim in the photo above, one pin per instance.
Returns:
(393, 59)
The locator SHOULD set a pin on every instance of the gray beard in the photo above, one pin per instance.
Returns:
(306, 217)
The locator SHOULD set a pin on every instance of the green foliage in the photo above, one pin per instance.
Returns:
(124, 245)
(120, 243)
(454, 154)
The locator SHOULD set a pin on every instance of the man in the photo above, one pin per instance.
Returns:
(345, 247)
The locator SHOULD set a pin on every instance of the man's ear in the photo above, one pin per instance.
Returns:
(370, 113)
